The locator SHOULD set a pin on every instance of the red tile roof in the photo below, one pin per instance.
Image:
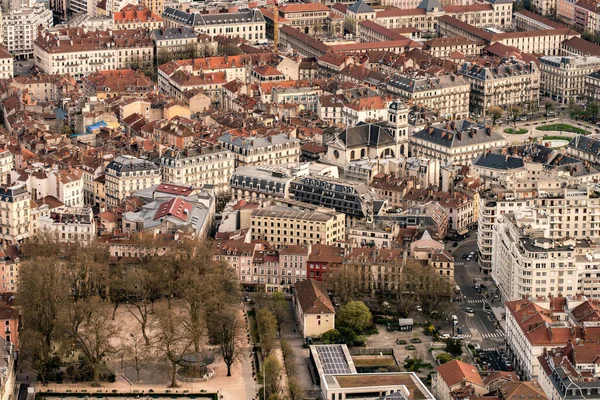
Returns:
(303, 7)
(175, 207)
(173, 189)
(455, 372)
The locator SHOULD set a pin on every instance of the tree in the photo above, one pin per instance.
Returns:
(354, 315)
(229, 332)
(591, 110)
(317, 28)
(267, 330)
(575, 109)
(95, 336)
(279, 308)
(42, 296)
(453, 347)
(495, 113)
(271, 376)
(514, 113)
(295, 391)
(331, 336)
(136, 353)
(346, 282)
(443, 358)
(548, 106)
(421, 283)
(171, 339)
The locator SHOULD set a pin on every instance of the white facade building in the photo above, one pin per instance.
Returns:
(69, 224)
(125, 175)
(20, 28)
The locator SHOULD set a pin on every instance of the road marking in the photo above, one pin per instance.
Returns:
(472, 301)
(497, 334)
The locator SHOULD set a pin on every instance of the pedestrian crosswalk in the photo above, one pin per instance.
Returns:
(474, 301)
(467, 336)
(497, 334)
(490, 349)
(459, 263)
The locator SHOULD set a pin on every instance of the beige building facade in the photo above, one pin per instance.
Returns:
(564, 78)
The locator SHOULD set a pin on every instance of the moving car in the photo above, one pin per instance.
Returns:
(469, 310)
(459, 331)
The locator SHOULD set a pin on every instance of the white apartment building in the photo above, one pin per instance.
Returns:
(127, 174)
(65, 185)
(80, 52)
(14, 214)
(198, 167)
(7, 162)
(564, 78)
(69, 224)
(282, 226)
(20, 27)
(511, 82)
(535, 248)
(277, 149)
(454, 142)
(448, 95)
(249, 24)
(6, 64)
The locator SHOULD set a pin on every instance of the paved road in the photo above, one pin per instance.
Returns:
(479, 326)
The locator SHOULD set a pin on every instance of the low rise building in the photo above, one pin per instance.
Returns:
(69, 224)
(305, 16)
(281, 226)
(121, 82)
(127, 174)
(455, 378)
(455, 142)
(585, 148)
(563, 78)
(314, 311)
(448, 47)
(204, 165)
(510, 82)
(135, 17)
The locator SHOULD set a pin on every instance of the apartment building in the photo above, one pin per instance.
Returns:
(248, 24)
(21, 27)
(535, 327)
(136, 17)
(264, 269)
(281, 226)
(563, 78)
(454, 142)
(448, 47)
(121, 82)
(585, 148)
(544, 41)
(6, 64)
(204, 165)
(587, 15)
(79, 52)
(14, 214)
(155, 6)
(69, 224)
(447, 95)
(529, 21)
(66, 185)
(313, 308)
(354, 199)
(7, 164)
(303, 43)
(305, 16)
(510, 82)
(277, 149)
(127, 174)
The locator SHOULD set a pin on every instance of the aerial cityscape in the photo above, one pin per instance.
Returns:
(287, 200)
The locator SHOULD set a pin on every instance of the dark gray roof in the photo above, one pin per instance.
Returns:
(128, 164)
(369, 135)
(361, 7)
(9, 193)
(507, 67)
(430, 5)
(196, 19)
(458, 133)
(409, 84)
(586, 144)
(173, 33)
(498, 161)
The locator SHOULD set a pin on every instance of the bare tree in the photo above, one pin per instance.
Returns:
(347, 282)
(171, 338)
(271, 376)
(279, 308)
(137, 354)
(267, 330)
(229, 332)
(95, 336)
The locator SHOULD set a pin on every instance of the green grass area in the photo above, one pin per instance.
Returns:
(519, 131)
(374, 361)
(556, 137)
(563, 128)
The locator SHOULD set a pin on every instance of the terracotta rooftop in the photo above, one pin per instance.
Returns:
(455, 372)
(313, 298)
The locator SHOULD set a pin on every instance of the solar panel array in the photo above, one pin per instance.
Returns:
(333, 360)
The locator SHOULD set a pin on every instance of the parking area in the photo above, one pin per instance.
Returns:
(493, 360)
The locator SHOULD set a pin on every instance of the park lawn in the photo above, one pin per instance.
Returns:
(562, 127)
(374, 361)
(519, 131)
(556, 137)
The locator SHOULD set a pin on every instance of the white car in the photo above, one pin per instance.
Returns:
(445, 336)
(418, 308)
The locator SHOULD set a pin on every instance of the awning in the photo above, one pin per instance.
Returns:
(462, 231)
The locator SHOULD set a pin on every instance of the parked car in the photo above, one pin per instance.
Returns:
(465, 256)
(445, 336)
(418, 308)
(459, 331)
